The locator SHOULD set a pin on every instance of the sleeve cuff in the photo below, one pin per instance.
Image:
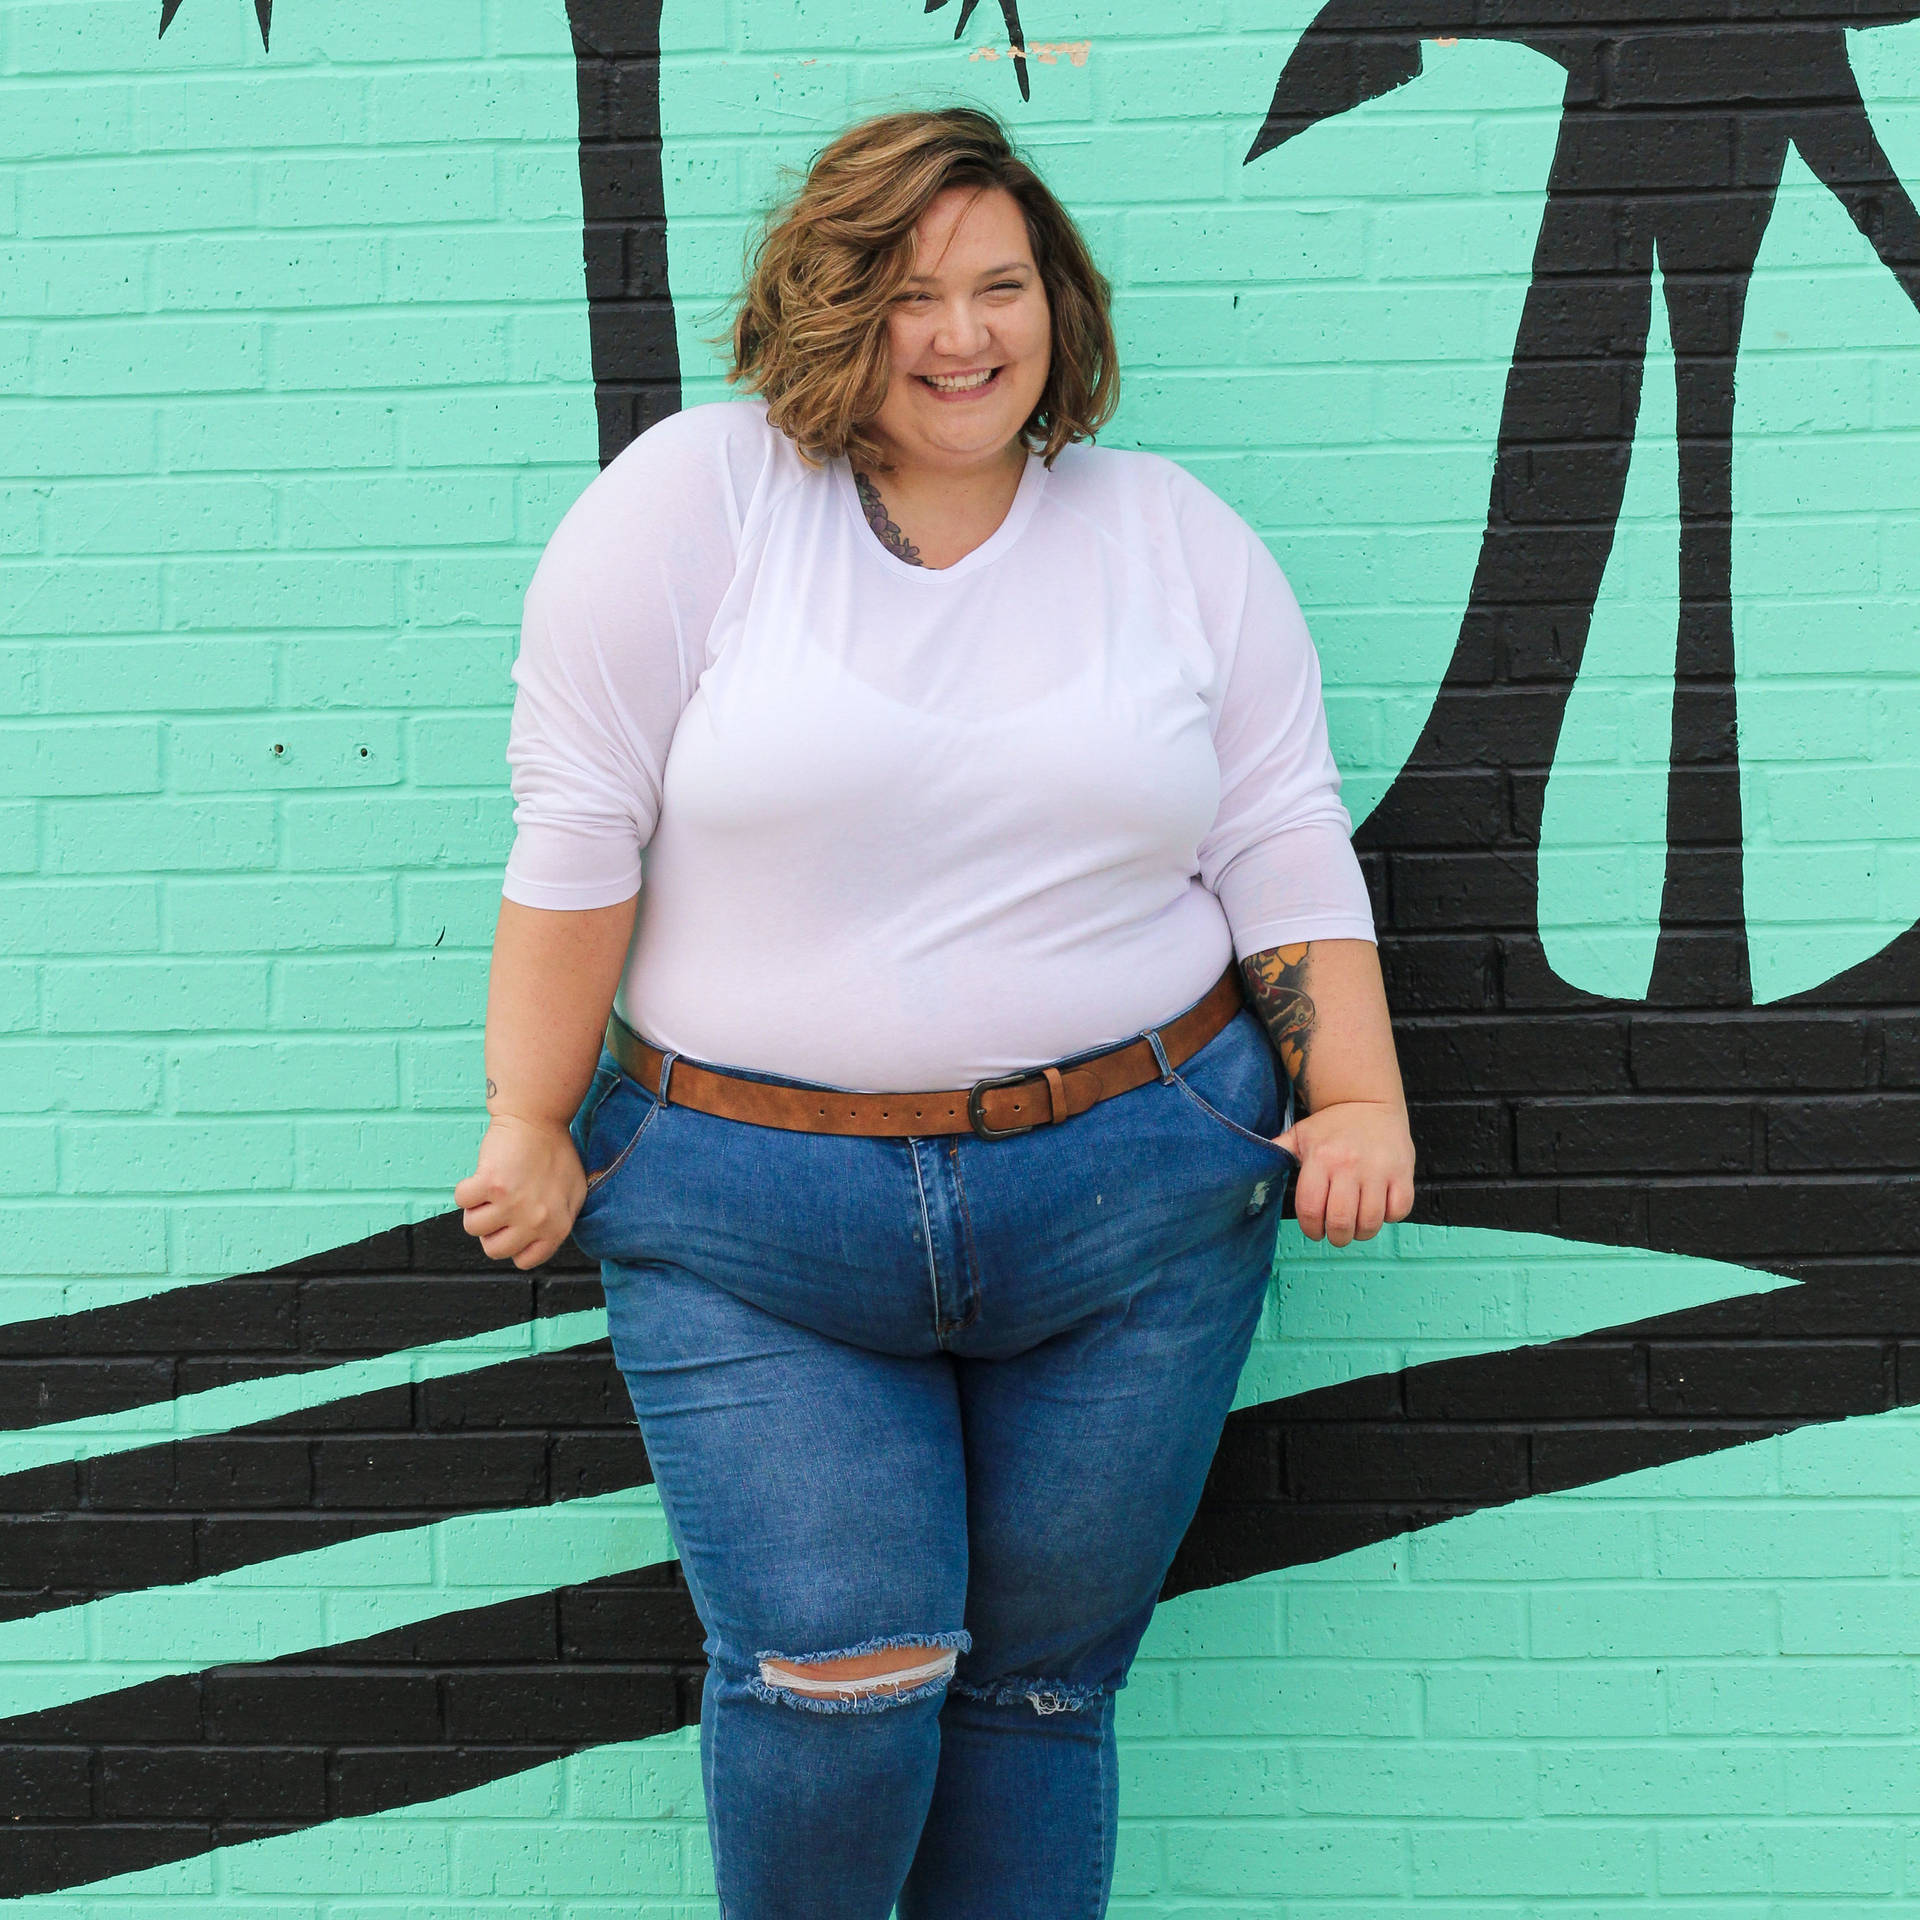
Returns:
(1297, 932)
(569, 897)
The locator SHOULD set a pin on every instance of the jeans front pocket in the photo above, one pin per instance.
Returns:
(612, 1118)
(1235, 1083)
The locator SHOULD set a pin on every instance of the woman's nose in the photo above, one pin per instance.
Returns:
(962, 329)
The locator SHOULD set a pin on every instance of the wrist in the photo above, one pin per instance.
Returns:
(510, 1117)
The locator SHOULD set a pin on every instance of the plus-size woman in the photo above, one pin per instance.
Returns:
(932, 1159)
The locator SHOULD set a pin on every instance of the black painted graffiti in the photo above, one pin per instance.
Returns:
(1691, 1121)
(263, 12)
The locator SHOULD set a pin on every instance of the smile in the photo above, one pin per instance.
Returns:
(961, 382)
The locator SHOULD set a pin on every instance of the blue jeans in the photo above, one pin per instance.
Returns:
(947, 1394)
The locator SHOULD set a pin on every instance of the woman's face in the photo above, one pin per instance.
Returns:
(971, 337)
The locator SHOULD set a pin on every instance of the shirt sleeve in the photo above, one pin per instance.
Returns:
(1279, 854)
(613, 640)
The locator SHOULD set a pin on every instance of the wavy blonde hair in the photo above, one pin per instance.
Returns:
(810, 335)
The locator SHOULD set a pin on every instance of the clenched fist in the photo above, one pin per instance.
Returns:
(521, 1198)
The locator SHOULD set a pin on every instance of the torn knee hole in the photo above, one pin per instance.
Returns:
(860, 1676)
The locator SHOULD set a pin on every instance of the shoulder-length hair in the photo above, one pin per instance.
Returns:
(810, 335)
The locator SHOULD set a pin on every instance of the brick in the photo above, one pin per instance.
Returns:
(184, 1157)
(1804, 1857)
(152, 356)
(1661, 1620)
(103, 836)
(1417, 1779)
(388, 349)
(426, 1473)
(77, 1077)
(154, 996)
(1657, 1781)
(228, 594)
(98, 197)
(1299, 1857)
(1857, 1699)
(117, 757)
(1590, 1137)
(421, 990)
(1790, 1380)
(154, 675)
(1408, 1623)
(1220, 1698)
(285, 752)
(419, 511)
(245, 1076)
(258, 272)
(79, 916)
(445, 186)
(279, 915)
(1462, 1861)
(76, 277)
(317, 109)
(158, 1783)
(1536, 1699)
(434, 831)
(268, 432)
(1782, 1540)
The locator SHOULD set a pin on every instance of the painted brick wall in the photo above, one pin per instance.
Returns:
(1560, 1558)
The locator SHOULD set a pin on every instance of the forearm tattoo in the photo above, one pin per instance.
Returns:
(1276, 981)
(875, 509)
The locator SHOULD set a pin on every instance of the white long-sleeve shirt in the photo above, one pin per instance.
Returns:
(902, 828)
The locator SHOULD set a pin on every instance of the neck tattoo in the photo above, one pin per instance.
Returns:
(895, 542)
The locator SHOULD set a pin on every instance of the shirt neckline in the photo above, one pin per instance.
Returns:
(1026, 498)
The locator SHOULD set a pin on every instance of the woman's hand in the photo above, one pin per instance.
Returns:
(1356, 1169)
(547, 998)
(521, 1199)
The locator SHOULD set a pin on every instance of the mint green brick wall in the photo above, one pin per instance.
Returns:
(294, 383)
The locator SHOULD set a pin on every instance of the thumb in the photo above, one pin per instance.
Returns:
(1289, 1141)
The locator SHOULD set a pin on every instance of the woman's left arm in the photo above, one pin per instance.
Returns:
(1325, 1010)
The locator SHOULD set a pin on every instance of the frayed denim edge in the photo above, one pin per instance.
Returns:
(956, 1642)
(1044, 1696)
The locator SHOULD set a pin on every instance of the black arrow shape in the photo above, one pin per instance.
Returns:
(262, 10)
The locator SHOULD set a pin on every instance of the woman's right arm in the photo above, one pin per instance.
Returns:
(548, 996)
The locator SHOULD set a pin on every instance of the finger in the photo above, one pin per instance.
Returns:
(1373, 1209)
(1343, 1209)
(1399, 1199)
(537, 1253)
(1289, 1142)
(471, 1191)
(1310, 1201)
(504, 1242)
(489, 1217)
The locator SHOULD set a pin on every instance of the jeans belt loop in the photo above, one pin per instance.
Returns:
(1160, 1054)
(666, 1078)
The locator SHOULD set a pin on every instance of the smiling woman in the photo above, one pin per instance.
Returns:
(933, 1160)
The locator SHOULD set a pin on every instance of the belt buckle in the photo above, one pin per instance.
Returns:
(977, 1119)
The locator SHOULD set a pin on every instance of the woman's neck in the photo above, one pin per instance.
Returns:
(934, 514)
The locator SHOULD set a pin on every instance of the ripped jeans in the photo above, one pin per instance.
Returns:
(950, 1400)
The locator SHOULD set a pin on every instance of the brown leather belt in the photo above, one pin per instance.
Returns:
(992, 1109)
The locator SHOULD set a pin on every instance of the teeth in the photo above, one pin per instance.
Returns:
(958, 382)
